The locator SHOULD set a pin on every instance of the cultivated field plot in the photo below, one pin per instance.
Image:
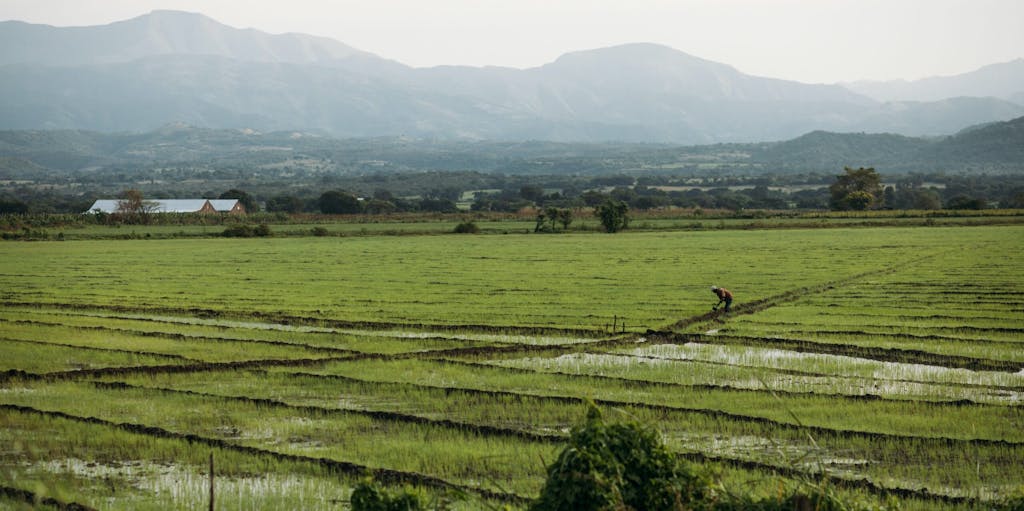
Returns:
(888, 362)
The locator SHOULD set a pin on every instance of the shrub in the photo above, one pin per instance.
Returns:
(627, 467)
(262, 230)
(368, 497)
(246, 231)
(469, 227)
(619, 466)
(237, 231)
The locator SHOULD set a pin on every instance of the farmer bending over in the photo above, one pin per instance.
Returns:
(723, 296)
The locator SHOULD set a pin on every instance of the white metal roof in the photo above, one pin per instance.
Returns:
(104, 206)
(224, 205)
(179, 205)
(161, 205)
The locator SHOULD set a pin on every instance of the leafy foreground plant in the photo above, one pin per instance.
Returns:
(620, 466)
(368, 497)
(626, 466)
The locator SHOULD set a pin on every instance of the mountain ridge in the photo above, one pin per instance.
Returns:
(170, 66)
(161, 32)
(1002, 80)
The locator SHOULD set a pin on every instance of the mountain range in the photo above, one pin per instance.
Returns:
(32, 155)
(169, 66)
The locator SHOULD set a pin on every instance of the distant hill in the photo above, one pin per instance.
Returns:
(995, 147)
(822, 149)
(995, 144)
(936, 118)
(1003, 81)
(165, 67)
(160, 33)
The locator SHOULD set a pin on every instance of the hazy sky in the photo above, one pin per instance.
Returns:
(815, 41)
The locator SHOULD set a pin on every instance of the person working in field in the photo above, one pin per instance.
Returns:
(723, 296)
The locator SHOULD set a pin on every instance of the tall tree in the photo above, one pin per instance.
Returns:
(133, 208)
(613, 214)
(336, 202)
(248, 202)
(856, 189)
(15, 206)
(285, 203)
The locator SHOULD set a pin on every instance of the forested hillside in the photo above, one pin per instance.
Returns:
(995, 148)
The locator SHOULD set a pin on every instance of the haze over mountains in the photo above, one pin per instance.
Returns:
(143, 73)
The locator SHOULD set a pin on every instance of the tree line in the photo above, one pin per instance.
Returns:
(452, 192)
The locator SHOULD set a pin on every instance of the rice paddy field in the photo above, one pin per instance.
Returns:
(886, 363)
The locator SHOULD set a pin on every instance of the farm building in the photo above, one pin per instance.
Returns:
(229, 206)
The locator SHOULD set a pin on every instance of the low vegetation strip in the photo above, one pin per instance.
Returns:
(860, 371)
(85, 374)
(883, 416)
(858, 484)
(883, 354)
(8, 342)
(340, 467)
(307, 410)
(679, 375)
(30, 498)
(269, 321)
(146, 334)
(302, 388)
(823, 438)
(954, 445)
(450, 393)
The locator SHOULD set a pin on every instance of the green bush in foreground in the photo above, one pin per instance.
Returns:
(469, 227)
(626, 467)
(368, 497)
(246, 231)
(620, 466)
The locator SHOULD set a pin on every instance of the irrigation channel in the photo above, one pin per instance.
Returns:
(924, 406)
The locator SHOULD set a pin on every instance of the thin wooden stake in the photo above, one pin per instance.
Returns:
(211, 481)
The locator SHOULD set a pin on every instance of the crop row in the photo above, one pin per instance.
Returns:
(119, 465)
(448, 454)
(572, 281)
(124, 466)
(840, 367)
(377, 338)
(191, 349)
(897, 417)
(535, 414)
(441, 446)
(686, 373)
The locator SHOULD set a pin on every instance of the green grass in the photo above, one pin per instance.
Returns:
(904, 417)
(301, 339)
(460, 456)
(40, 358)
(461, 357)
(109, 468)
(194, 349)
(900, 459)
(569, 281)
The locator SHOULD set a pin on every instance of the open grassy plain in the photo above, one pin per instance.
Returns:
(884, 362)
